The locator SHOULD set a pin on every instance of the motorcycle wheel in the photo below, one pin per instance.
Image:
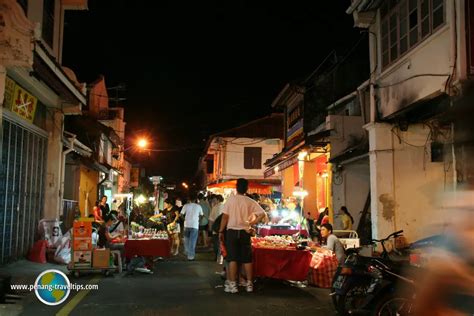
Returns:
(394, 305)
(335, 300)
(352, 299)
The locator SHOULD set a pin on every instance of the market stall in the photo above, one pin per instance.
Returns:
(280, 262)
(148, 242)
(147, 248)
(281, 257)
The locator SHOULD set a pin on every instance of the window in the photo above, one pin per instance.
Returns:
(210, 164)
(405, 23)
(252, 157)
(48, 22)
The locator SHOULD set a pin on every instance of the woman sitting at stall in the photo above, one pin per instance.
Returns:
(332, 242)
(106, 237)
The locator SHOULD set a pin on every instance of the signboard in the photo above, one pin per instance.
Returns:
(295, 131)
(282, 166)
(19, 101)
(134, 177)
(9, 90)
(155, 180)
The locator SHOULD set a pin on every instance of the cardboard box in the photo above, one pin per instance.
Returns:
(101, 258)
(82, 259)
(82, 229)
(83, 244)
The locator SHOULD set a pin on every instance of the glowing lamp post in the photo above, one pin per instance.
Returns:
(142, 143)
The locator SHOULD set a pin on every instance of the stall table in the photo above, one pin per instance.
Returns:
(284, 264)
(147, 248)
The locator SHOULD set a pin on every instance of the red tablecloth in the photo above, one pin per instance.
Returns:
(323, 268)
(147, 248)
(273, 231)
(281, 263)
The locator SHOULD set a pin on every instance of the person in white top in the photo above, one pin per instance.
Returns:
(238, 210)
(192, 212)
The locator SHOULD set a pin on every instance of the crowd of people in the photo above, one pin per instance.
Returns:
(224, 228)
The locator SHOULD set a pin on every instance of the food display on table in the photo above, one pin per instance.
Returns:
(280, 242)
(150, 233)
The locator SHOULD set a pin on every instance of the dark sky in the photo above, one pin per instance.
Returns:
(194, 68)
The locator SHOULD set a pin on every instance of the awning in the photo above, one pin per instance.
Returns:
(360, 150)
(254, 187)
(78, 147)
(92, 164)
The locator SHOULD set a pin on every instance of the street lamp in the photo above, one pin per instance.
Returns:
(142, 143)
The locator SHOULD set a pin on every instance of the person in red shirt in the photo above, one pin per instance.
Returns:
(98, 216)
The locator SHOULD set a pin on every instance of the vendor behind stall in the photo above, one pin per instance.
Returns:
(106, 237)
(332, 242)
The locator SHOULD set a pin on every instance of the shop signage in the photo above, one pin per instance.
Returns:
(282, 166)
(20, 101)
(295, 132)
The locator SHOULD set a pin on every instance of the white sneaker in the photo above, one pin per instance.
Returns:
(230, 287)
(249, 287)
(144, 270)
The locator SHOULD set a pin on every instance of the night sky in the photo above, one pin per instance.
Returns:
(195, 68)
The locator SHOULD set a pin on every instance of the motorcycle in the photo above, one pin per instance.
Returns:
(392, 289)
(353, 279)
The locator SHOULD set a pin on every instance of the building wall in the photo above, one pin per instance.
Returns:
(98, 98)
(350, 188)
(396, 85)
(87, 190)
(288, 182)
(346, 131)
(233, 166)
(406, 187)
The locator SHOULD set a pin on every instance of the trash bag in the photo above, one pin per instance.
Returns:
(63, 251)
(37, 253)
(50, 230)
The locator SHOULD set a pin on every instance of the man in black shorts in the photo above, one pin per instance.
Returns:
(239, 214)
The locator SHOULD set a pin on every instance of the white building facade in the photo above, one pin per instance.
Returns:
(419, 67)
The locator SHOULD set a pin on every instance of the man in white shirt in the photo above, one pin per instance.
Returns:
(236, 218)
(192, 212)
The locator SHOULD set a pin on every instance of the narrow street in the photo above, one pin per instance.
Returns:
(179, 287)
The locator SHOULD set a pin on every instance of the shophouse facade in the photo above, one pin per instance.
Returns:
(36, 93)
(421, 62)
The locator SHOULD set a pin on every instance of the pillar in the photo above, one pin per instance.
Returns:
(53, 201)
(383, 203)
